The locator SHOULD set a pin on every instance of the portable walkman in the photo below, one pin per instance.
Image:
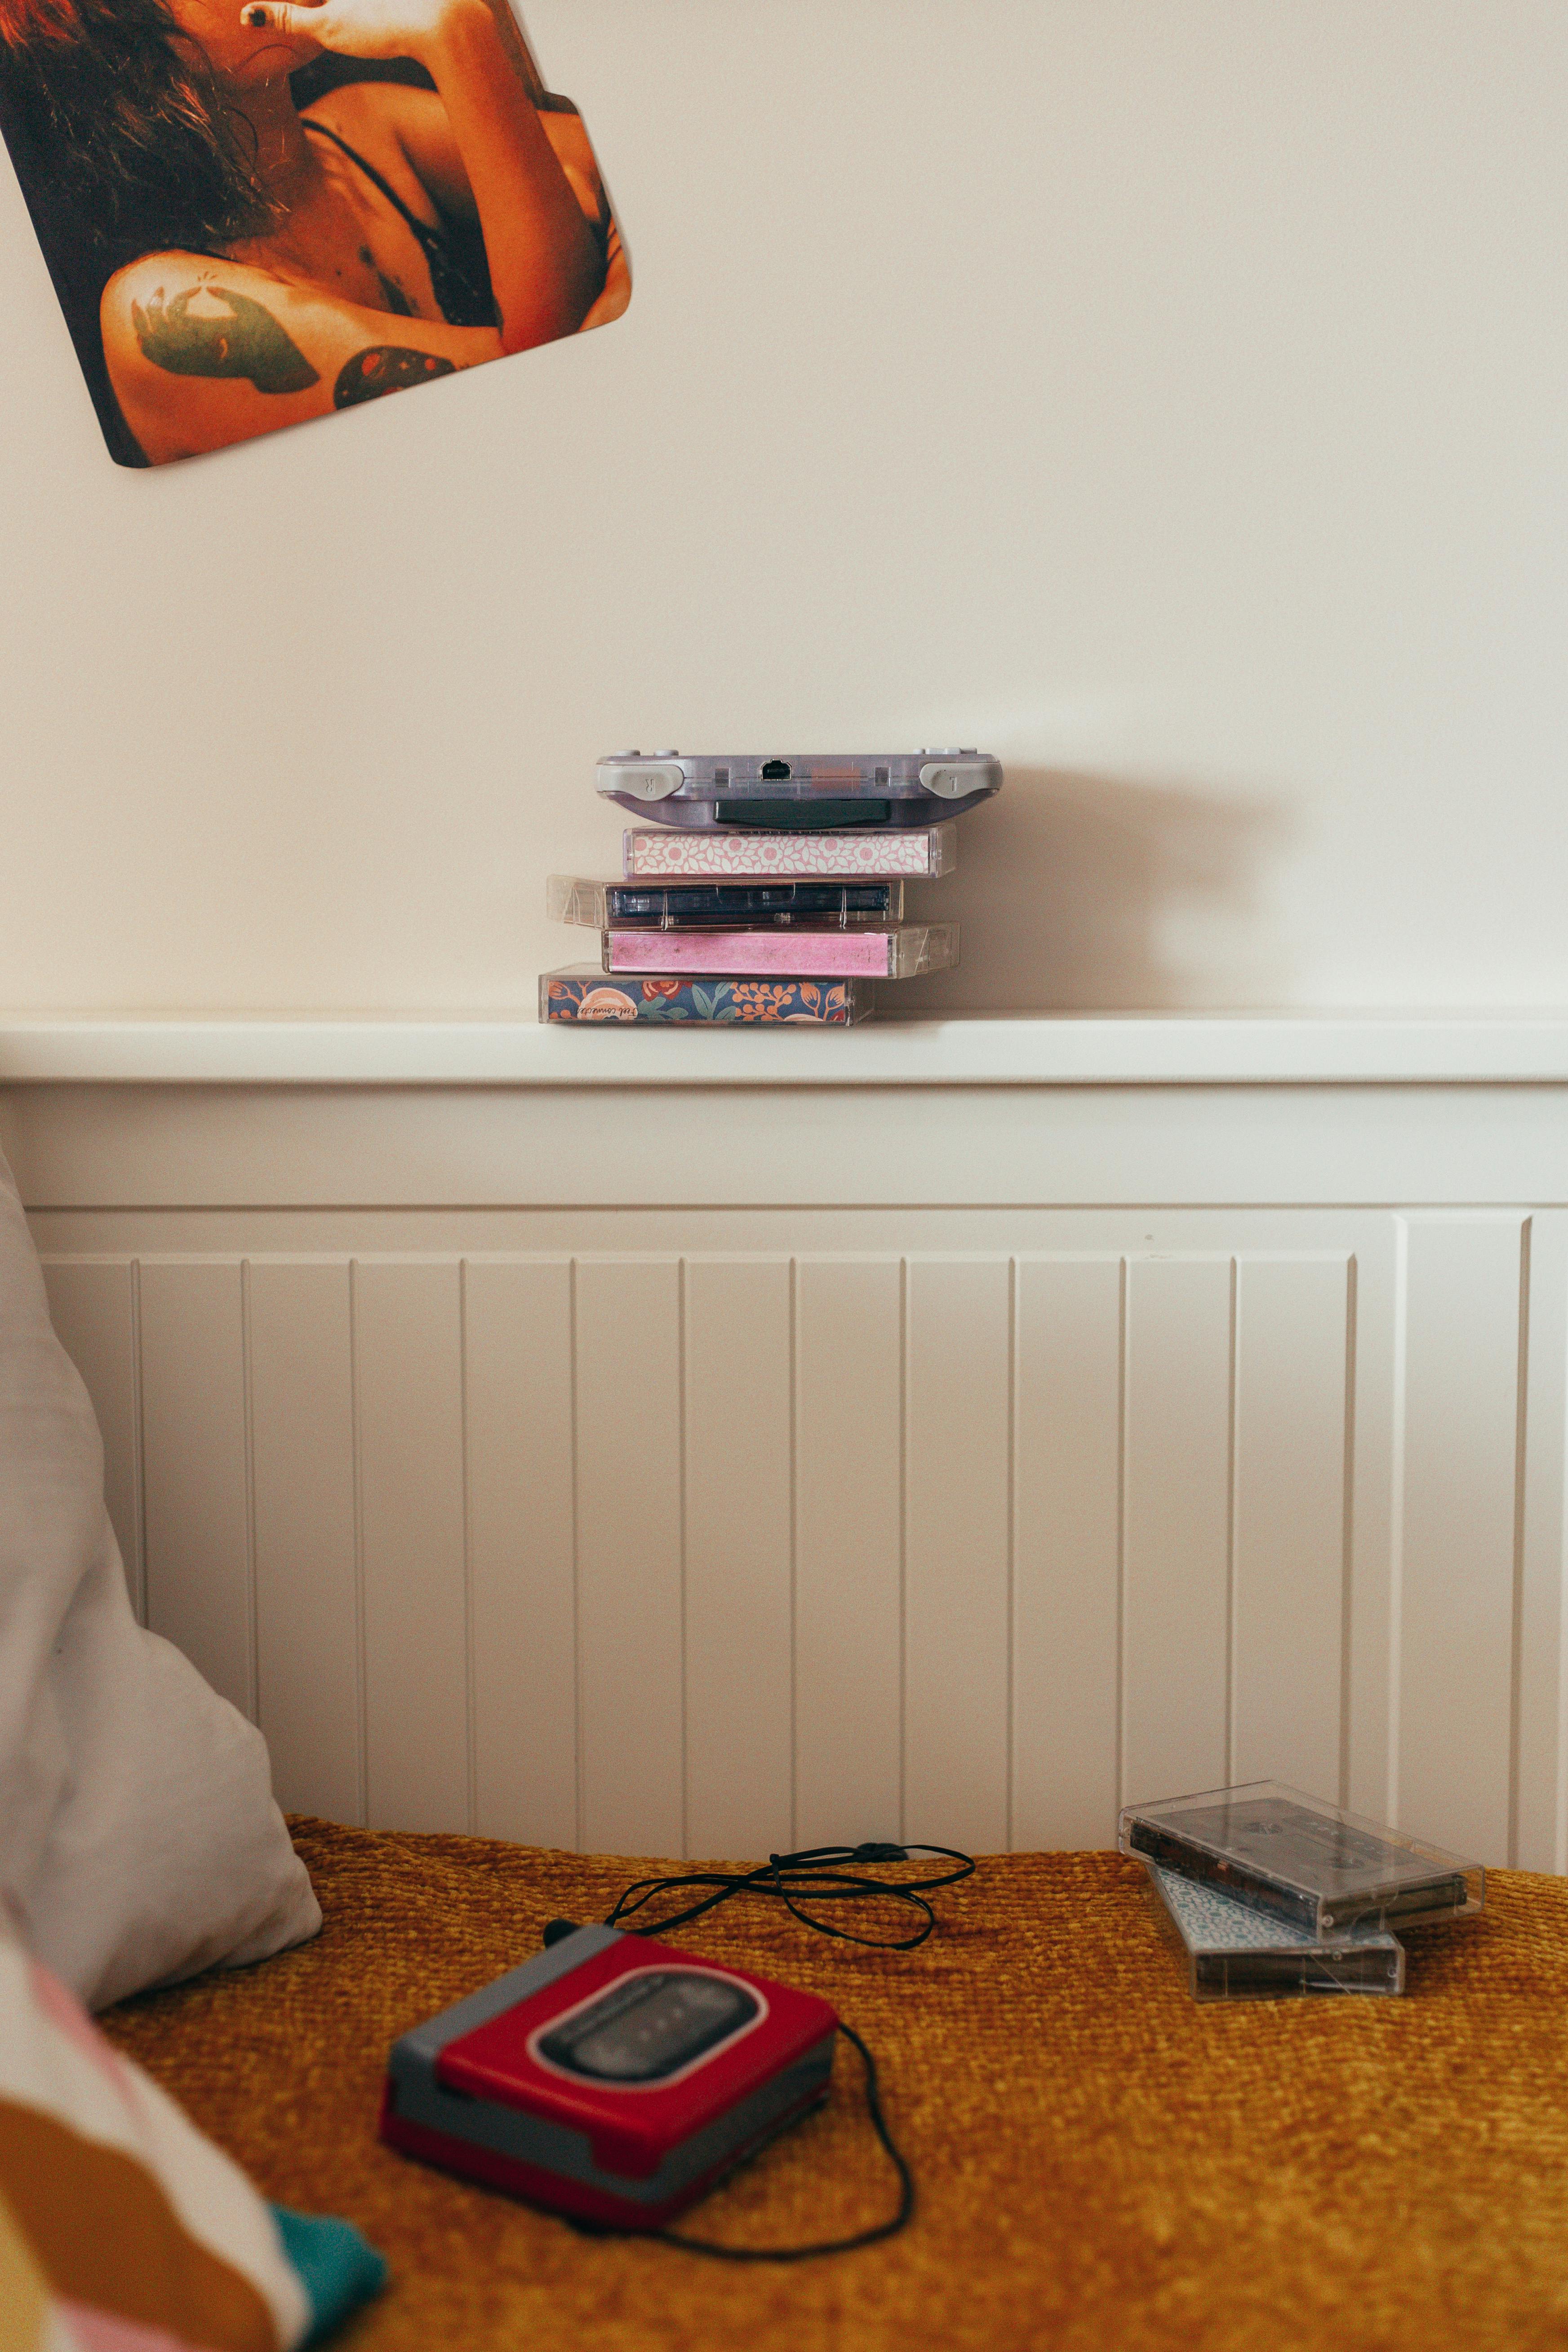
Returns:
(612, 2078)
(616, 2079)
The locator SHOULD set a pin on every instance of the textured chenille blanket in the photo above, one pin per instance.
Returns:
(1102, 2164)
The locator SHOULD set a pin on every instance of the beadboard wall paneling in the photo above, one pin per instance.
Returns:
(305, 1517)
(1457, 1573)
(520, 1416)
(95, 1309)
(197, 1489)
(705, 1549)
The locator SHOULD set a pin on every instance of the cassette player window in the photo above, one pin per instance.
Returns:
(650, 2026)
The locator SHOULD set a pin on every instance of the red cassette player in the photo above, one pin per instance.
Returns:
(609, 2077)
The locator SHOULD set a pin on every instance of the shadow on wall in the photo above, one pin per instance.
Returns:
(1081, 893)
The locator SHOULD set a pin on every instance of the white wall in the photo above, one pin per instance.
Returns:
(1170, 396)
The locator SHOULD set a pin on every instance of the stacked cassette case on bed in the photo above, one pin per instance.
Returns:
(1233, 1953)
(772, 890)
(1270, 1890)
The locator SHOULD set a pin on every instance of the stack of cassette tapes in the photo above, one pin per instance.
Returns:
(1266, 1892)
(770, 889)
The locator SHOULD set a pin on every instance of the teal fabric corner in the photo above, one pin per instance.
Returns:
(338, 2269)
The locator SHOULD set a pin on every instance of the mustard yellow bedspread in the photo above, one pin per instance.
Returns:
(1101, 2164)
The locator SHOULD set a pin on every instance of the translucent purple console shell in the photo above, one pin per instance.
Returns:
(787, 792)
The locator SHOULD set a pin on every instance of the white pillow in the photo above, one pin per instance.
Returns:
(137, 1826)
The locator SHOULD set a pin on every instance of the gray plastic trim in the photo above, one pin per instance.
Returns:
(646, 780)
(426, 2041)
(952, 780)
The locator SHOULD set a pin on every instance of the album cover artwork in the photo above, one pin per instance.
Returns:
(256, 211)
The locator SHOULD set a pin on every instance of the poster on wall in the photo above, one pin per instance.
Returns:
(261, 212)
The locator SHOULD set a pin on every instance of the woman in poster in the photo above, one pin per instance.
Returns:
(262, 260)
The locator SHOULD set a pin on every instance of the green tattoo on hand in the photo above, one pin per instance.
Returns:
(247, 343)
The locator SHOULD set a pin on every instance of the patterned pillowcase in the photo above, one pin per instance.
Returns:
(121, 2228)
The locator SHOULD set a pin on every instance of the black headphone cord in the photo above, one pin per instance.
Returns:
(872, 2237)
(824, 1873)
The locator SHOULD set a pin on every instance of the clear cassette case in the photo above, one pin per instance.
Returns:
(1233, 1953)
(1298, 1859)
(721, 906)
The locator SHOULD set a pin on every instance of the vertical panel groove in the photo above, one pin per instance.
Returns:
(138, 1466)
(1560, 1825)
(1178, 1520)
(1012, 1534)
(1347, 1586)
(1460, 1556)
(1230, 1537)
(576, 1550)
(361, 1714)
(470, 1694)
(848, 1737)
(903, 1545)
(248, 1392)
(1122, 1378)
(1396, 1502)
(794, 1553)
(685, 1661)
(1519, 1457)
(1064, 1478)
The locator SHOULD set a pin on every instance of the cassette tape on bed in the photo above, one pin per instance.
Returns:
(795, 792)
(1298, 1859)
(1233, 1953)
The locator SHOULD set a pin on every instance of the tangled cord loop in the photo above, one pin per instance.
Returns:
(852, 2244)
(823, 1873)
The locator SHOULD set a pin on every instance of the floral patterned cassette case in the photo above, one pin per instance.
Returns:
(582, 994)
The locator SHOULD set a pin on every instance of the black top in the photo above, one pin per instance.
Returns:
(460, 270)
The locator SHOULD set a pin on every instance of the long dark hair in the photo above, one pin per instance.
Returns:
(123, 144)
(130, 118)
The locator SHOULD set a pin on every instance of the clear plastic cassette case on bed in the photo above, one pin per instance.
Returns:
(1234, 1953)
(1300, 1859)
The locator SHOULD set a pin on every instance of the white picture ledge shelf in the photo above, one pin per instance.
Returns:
(964, 1049)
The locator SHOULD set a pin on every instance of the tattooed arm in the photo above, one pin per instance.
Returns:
(203, 354)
